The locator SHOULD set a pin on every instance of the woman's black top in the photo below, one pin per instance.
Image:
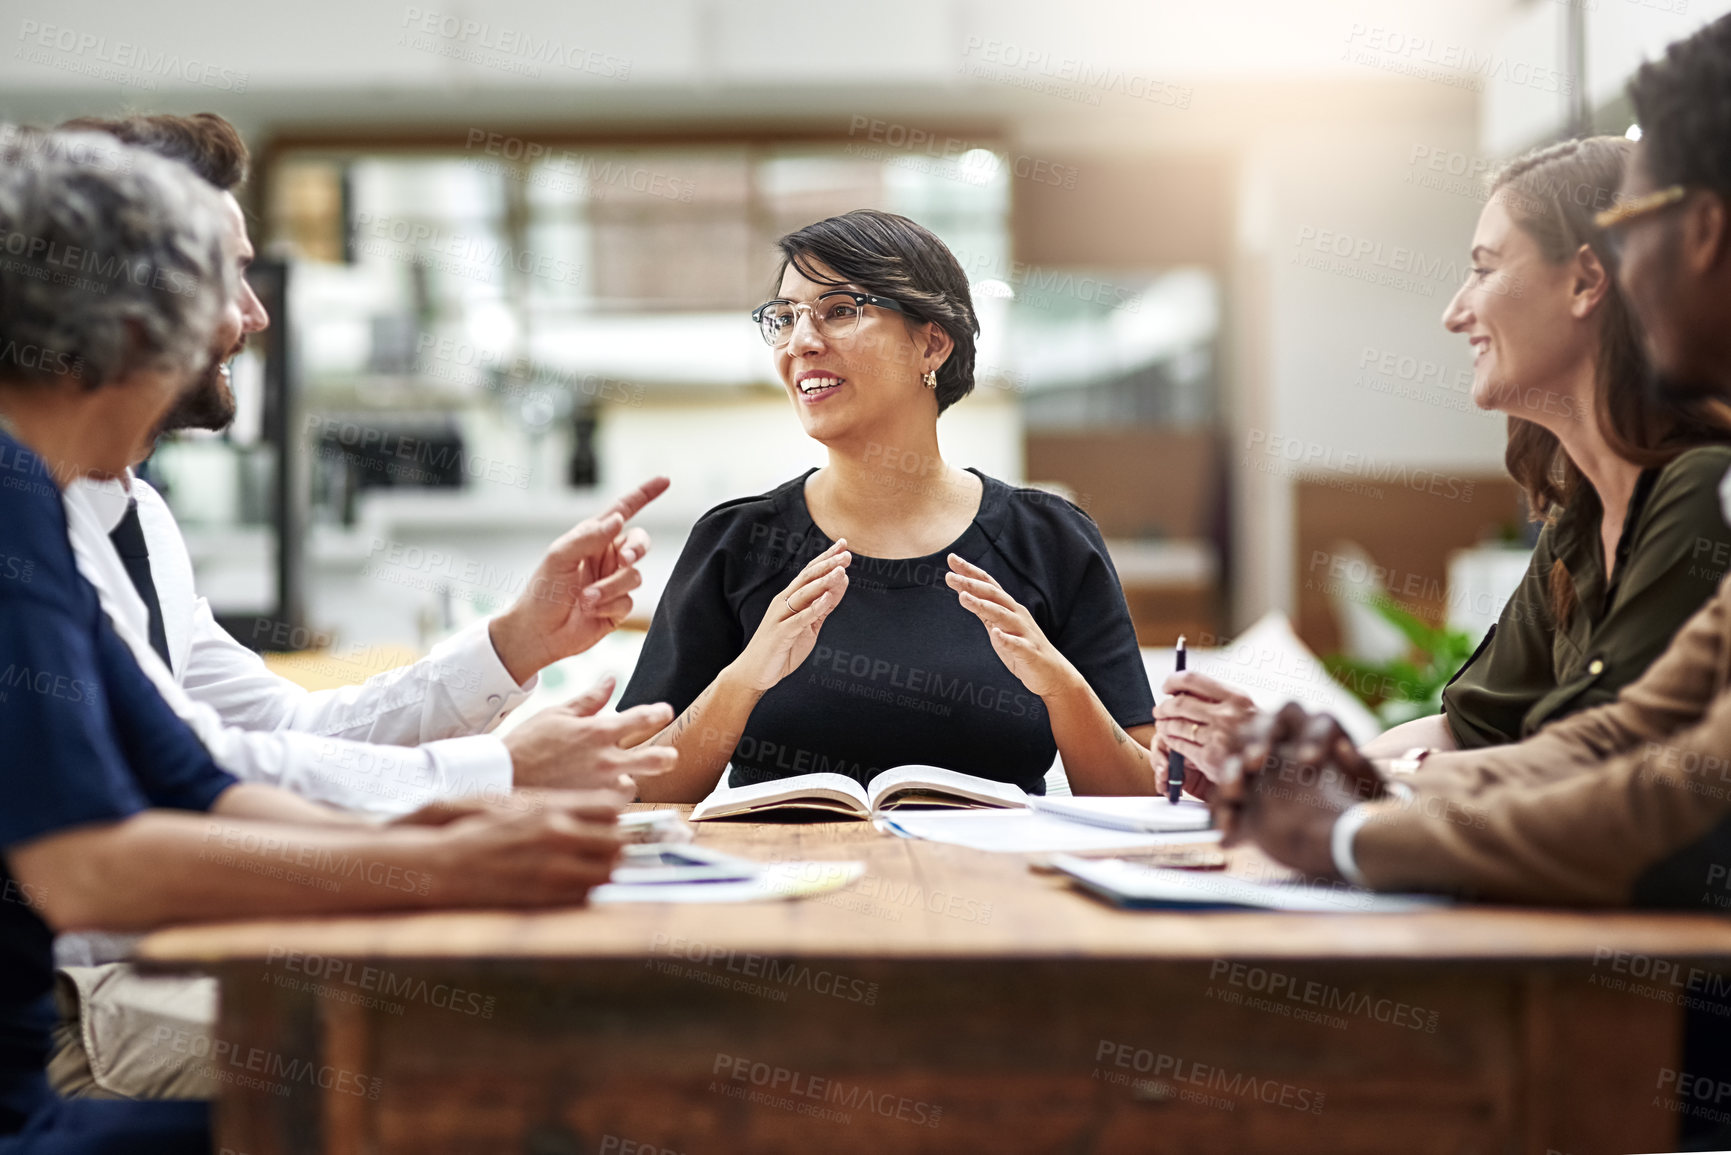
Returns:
(901, 674)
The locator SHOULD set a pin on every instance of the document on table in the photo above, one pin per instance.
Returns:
(775, 881)
(1026, 831)
(1152, 815)
(671, 863)
(1133, 885)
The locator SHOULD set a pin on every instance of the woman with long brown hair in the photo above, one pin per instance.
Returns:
(1625, 480)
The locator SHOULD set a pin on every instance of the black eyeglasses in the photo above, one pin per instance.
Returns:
(1613, 222)
(835, 315)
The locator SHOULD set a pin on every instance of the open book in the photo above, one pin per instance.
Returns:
(839, 794)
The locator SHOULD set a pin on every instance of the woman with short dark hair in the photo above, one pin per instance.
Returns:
(890, 608)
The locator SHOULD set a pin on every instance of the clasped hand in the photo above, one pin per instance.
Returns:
(1287, 777)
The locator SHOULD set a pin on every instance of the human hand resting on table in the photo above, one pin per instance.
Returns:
(548, 854)
(1016, 638)
(1288, 777)
(1198, 718)
(789, 629)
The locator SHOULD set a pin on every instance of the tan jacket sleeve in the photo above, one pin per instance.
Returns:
(1671, 696)
(1627, 803)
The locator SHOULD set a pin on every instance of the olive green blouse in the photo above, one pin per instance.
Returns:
(1674, 549)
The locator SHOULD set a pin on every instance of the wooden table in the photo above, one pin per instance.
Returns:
(949, 1001)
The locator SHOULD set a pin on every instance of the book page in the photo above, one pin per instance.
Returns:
(820, 791)
(930, 780)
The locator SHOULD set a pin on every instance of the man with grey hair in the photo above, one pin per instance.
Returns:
(97, 302)
(402, 739)
(260, 726)
(113, 269)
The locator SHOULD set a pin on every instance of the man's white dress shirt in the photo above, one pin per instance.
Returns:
(384, 748)
(403, 738)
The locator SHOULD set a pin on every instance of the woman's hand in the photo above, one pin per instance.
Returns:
(1196, 784)
(785, 637)
(1199, 718)
(1016, 637)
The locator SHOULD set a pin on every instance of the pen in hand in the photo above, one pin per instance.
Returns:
(1175, 760)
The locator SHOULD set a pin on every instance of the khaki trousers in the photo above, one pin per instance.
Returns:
(123, 1035)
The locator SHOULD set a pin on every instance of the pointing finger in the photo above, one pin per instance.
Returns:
(631, 504)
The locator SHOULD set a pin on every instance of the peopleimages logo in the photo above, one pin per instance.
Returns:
(1289, 994)
(460, 254)
(60, 262)
(512, 46)
(1327, 459)
(48, 684)
(814, 1095)
(326, 973)
(1236, 1086)
(1069, 77)
(256, 1067)
(929, 691)
(332, 437)
(94, 55)
(41, 360)
(783, 972)
(1460, 65)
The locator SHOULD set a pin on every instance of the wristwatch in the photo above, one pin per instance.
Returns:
(1409, 762)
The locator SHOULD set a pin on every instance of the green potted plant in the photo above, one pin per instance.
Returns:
(1409, 687)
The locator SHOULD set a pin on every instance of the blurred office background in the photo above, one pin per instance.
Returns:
(510, 251)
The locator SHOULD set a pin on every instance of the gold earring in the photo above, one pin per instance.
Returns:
(931, 378)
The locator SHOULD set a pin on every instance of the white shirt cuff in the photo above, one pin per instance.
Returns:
(1346, 829)
(479, 685)
(479, 764)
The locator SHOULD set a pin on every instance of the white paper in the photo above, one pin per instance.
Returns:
(777, 881)
(1271, 666)
(671, 864)
(1163, 886)
(1141, 812)
(1026, 832)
